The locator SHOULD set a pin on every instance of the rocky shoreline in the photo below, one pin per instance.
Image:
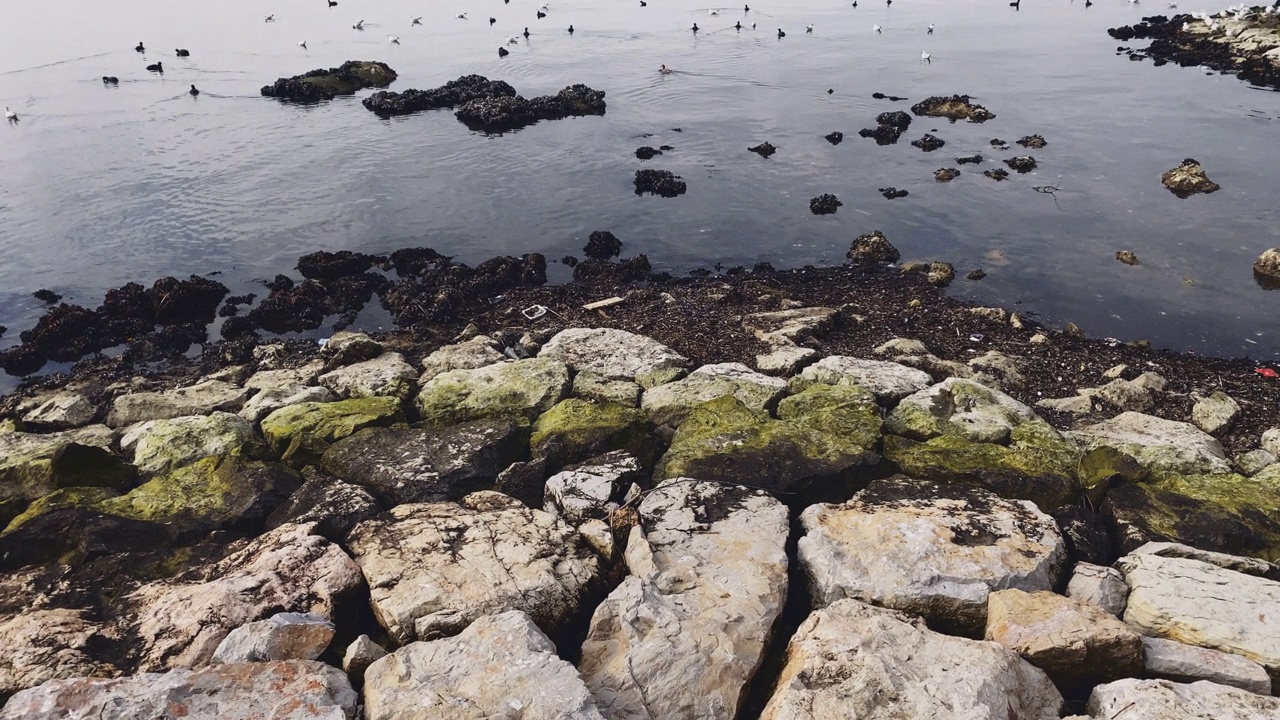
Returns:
(1244, 42)
(761, 494)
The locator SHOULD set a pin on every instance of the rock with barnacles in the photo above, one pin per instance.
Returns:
(764, 149)
(824, 204)
(929, 142)
(946, 174)
(659, 182)
(1021, 163)
(1188, 179)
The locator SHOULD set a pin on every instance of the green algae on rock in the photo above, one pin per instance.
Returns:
(301, 433)
(519, 390)
(160, 446)
(958, 407)
(32, 466)
(670, 403)
(823, 431)
(576, 430)
(81, 497)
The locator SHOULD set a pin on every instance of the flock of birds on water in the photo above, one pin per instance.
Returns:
(1239, 11)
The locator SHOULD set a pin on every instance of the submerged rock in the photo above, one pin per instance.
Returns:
(929, 142)
(997, 174)
(1188, 179)
(893, 193)
(647, 153)
(602, 245)
(955, 107)
(873, 247)
(1035, 142)
(502, 113)
(1021, 164)
(764, 149)
(946, 174)
(659, 182)
(835, 138)
(824, 204)
(451, 94)
(322, 84)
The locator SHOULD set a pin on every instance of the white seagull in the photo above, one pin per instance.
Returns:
(10, 115)
(513, 40)
(808, 28)
(415, 21)
(930, 29)
(926, 57)
(544, 7)
(876, 28)
(393, 39)
(713, 12)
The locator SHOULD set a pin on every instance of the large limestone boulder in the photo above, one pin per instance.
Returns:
(519, 390)
(199, 399)
(425, 465)
(289, 690)
(934, 551)
(821, 432)
(686, 631)
(1075, 643)
(785, 327)
(1100, 586)
(301, 433)
(888, 381)
(851, 660)
(48, 644)
(501, 666)
(333, 505)
(1162, 446)
(283, 636)
(617, 355)
(475, 353)
(180, 622)
(434, 568)
(1200, 604)
(576, 429)
(1171, 660)
(1216, 413)
(386, 375)
(271, 400)
(32, 466)
(161, 446)
(59, 411)
(589, 491)
(959, 430)
(671, 403)
(1164, 700)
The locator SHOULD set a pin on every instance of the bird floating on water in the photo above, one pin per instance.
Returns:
(461, 16)
(876, 28)
(182, 53)
(855, 3)
(1016, 4)
(503, 52)
(930, 29)
(695, 27)
(333, 3)
(753, 26)
(393, 39)
(193, 91)
(781, 34)
(110, 80)
(544, 7)
(526, 33)
(513, 40)
(415, 21)
(570, 29)
(492, 20)
(10, 115)
(713, 12)
(269, 18)
(808, 28)
(158, 67)
(359, 25)
(541, 14)
(664, 70)
(140, 48)
(302, 44)
(746, 8)
(831, 91)
(926, 57)
(737, 26)
(643, 3)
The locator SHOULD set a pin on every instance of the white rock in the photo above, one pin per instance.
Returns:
(935, 551)
(388, 374)
(1160, 445)
(61, 411)
(958, 406)
(1076, 404)
(1255, 461)
(1164, 700)
(40, 645)
(433, 568)
(789, 325)
(1271, 441)
(885, 380)
(669, 404)
(617, 355)
(1200, 604)
(28, 467)
(596, 388)
(181, 622)
(199, 399)
(475, 353)
(997, 370)
(283, 636)
(1100, 586)
(360, 654)
(599, 536)
(1216, 413)
(902, 347)
(270, 400)
(159, 446)
(1151, 381)
(286, 378)
(586, 492)
(1247, 565)
(289, 690)
(1115, 372)
(685, 632)
(785, 359)
(346, 348)
(1170, 660)
(501, 666)
(851, 660)
(1126, 395)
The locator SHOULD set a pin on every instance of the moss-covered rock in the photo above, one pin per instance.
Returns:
(823, 431)
(1038, 465)
(669, 404)
(83, 497)
(575, 430)
(32, 466)
(212, 494)
(1102, 467)
(1225, 513)
(159, 446)
(1161, 446)
(301, 433)
(961, 408)
(519, 390)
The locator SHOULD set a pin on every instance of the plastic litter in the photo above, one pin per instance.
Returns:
(1267, 372)
(533, 312)
(976, 337)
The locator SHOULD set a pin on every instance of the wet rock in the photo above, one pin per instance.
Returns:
(1164, 700)
(873, 247)
(882, 134)
(764, 149)
(940, 273)
(501, 664)
(854, 660)
(670, 404)
(602, 245)
(1100, 586)
(323, 265)
(999, 144)
(360, 654)
(322, 84)
(659, 182)
(1075, 643)
(522, 389)
(893, 193)
(647, 153)
(931, 550)
(1267, 266)
(160, 446)
(631, 270)
(1021, 163)
(686, 631)
(971, 159)
(301, 433)
(824, 204)
(435, 568)
(955, 107)
(425, 465)
(1170, 660)
(1183, 600)
(888, 381)
(616, 355)
(32, 466)
(1158, 444)
(1188, 179)
(199, 399)
(289, 690)
(304, 306)
(997, 174)
(332, 505)
(501, 113)
(890, 98)
(929, 142)
(283, 636)
(385, 375)
(1216, 413)
(835, 138)
(1035, 142)
(821, 432)
(1126, 257)
(946, 175)
(896, 119)
(60, 411)
(452, 94)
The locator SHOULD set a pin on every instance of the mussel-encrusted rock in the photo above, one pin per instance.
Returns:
(324, 84)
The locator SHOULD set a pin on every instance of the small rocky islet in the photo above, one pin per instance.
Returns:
(471, 521)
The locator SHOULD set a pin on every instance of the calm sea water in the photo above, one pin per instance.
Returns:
(105, 185)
